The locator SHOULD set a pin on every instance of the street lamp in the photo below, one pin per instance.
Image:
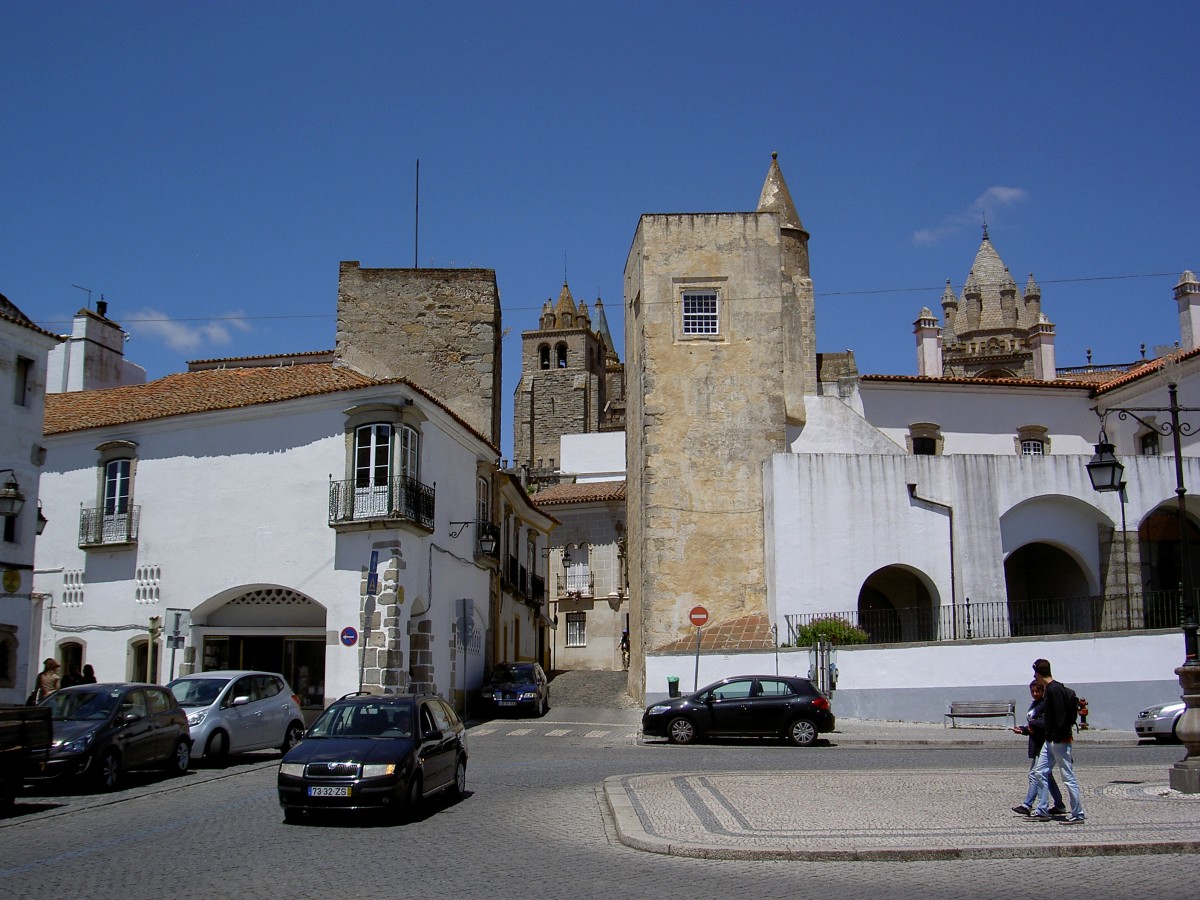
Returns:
(11, 498)
(1106, 473)
(1185, 774)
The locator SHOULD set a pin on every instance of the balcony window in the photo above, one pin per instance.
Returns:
(115, 519)
(383, 463)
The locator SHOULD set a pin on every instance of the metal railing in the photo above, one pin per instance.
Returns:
(1005, 618)
(577, 584)
(97, 527)
(537, 589)
(400, 498)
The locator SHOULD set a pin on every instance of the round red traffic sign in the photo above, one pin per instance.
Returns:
(698, 615)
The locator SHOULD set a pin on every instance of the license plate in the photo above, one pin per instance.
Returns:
(329, 792)
(508, 702)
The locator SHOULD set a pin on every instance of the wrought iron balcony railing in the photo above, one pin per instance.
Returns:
(537, 590)
(400, 499)
(1005, 618)
(577, 584)
(98, 528)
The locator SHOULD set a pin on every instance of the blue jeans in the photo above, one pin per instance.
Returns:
(1054, 752)
(1031, 795)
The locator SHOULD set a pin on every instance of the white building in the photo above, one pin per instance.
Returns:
(23, 351)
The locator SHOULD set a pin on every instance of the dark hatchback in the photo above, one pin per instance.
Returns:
(102, 730)
(747, 705)
(375, 752)
(517, 687)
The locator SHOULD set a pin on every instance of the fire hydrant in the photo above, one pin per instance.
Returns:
(1083, 714)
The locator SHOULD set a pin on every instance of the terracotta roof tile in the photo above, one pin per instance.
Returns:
(580, 492)
(210, 390)
(747, 633)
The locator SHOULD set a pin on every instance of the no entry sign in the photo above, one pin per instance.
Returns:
(698, 615)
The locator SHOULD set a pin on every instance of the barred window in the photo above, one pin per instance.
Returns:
(1033, 448)
(700, 312)
(576, 629)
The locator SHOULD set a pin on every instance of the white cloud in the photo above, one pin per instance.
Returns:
(987, 206)
(186, 335)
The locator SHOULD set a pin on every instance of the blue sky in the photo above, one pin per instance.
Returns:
(205, 166)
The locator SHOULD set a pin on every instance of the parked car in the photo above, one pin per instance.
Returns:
(24, 748)
(1159, 722)
(747, 705)
(100, 731)
(238, 711)
(375, 752)
(517, 687)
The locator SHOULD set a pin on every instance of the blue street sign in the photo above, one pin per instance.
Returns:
(349, 636)
(372, 584)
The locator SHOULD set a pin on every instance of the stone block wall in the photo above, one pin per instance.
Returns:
(439, 328)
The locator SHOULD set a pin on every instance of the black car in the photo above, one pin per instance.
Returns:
(746, 705)
(375, 752)
(517, 687)
(102, 730)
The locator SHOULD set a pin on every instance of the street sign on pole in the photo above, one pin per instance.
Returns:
(698, 616)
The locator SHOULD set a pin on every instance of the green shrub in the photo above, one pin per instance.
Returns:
(834, 629)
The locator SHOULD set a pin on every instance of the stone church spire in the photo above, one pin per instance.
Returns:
(776, 198)
(565, 310)
(610, 350)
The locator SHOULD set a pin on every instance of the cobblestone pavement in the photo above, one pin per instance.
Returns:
(536, 821)
(592, 690)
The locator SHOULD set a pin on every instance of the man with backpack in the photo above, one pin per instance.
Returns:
(1061, 709)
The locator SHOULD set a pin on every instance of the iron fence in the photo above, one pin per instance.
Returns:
(97, 527)
(398, 498)
(1004, 618)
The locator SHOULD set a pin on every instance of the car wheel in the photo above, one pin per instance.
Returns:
(217, 747)
(543, 708)
(680, 730)
(802, 732)
(181, 758)
(108, 771)
(459, 787)
(294, 733)
(413, 805)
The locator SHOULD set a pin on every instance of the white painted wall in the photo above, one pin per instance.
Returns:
(599, 456)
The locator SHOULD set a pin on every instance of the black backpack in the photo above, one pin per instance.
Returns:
(1071, 706)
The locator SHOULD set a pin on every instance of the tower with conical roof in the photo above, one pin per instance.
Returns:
(991, 329)
(572, 382)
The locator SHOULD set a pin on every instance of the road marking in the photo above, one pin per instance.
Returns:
(558, 732)
(520, 731)
(481, 731)
(595, 734)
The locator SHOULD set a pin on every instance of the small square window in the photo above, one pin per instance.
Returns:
(1149, 444)
(576, 629)
(700, 313)
(1033, 448)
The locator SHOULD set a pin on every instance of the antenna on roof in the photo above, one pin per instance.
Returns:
(417, 217)
(89, 293)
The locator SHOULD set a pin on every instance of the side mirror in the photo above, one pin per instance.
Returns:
(240, 701)
(434, 735)
(130, 717)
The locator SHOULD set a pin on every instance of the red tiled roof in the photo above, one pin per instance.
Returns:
(976, 382)
(751, 632)
(580, 492)
(210, 390)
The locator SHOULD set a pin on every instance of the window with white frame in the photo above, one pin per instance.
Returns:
(1033, 447)
(482, 504)
(1032, 440)
(1149, 444)
(383, 453)
(700, 313)
(576, 629)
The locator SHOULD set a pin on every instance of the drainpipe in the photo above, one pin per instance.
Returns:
(912, 492)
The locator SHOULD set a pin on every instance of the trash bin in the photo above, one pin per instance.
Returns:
(673, 685)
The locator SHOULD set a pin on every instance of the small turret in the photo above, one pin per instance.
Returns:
(1187, 299)
(564, 310)
(929, 344)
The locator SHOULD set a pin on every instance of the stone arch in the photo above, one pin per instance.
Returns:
(898, 603)
(1162, 564)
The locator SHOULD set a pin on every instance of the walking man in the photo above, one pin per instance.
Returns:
(1060, 710)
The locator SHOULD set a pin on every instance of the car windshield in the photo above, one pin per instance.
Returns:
(504, 674)
(82, 705)
(364, 720)
(197, 691)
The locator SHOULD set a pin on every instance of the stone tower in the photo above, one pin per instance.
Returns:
(438, 327)
(991, 329)
(719, 353)
(572, 382)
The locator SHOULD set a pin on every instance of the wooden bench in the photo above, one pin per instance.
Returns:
(980, 709)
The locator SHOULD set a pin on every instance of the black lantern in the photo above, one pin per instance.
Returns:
(1104, 468)
(11, 498)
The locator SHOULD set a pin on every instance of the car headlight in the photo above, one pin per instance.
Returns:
(381, 770)
(658, 710)
(528, 695)
(295, 770)
(78, 745)
(197, 717)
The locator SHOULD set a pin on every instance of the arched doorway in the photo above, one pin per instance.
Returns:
(1162, 571)
(269, 628)
(895, 604)
(1047, 592)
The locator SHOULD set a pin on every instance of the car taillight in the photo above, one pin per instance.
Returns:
(295, 699)
(821, 702)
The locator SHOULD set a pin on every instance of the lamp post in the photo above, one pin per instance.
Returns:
(1105, 471)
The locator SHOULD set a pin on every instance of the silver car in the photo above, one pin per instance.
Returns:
(1159, 722)
(238, 711)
